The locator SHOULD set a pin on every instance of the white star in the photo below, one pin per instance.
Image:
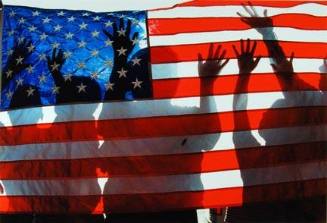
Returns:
(121, 32)
(95, 33)
(55, 89)
(31, 48)
(67, 54)
(81, 88)
(9, 73)
(9, 94)
(30, 91)
(43, 36)
(12, 13)
(135, 21)
(121, 16)
(19, 60)
(81, 65)
(137, 83)
(97, 18)
(122, 72)
(54, 66)
(42, 78)
(71, 19)
(94, 53)
(10, 52)
(11, 32)
(57, 28)
(35, 13)
(61, 13)
(43, 56)
(21, 40)
(30, 69)
(135, 41)
(32, 28)
(136, 61)
(85, 14)
(21, 21)
(81, 44)
(83, 26)
(94, 75)
(69, 35)
(109, 86)
(68, 77)
(55, 45)
(109, 23)
(19, 82)
(108, 63)
(109, 42)
(121, 51)
(46, 20)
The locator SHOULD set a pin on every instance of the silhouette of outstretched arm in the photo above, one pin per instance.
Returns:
(210, 67)
(208, 70)
(246, 63)
(55, 64)
(16, 61)
(122, 46)
(121, 43)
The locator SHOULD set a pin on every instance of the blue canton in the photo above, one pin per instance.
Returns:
(63, 56)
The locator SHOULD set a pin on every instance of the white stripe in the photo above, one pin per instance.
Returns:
(230, 11)
(166, 184)
(165, 145)
(284, 34)
(190, 69)
(162, 107)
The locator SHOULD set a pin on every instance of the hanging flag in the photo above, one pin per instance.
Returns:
(126, 111)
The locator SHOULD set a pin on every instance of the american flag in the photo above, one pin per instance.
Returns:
(126, 111)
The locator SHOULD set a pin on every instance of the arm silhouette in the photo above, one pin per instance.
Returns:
(122, 46)
(246, 63)
(209, 69)
(55, 64)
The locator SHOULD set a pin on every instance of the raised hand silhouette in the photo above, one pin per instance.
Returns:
(122, 45)
(56, 62)
(214, 62)
(69, 88)
(284, 68)
(245, 59)
(121, 38)
(246, 63)
(17, 61)
(256, 21)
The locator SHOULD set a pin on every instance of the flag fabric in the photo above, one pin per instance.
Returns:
(107, 112)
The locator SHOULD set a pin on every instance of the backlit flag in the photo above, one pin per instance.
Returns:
(114, 112)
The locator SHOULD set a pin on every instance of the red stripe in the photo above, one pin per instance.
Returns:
(203, 3)
(161, 126)
(162, 202)
(188, 25)
(188, 87)
(170, 54)
(164, 164)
